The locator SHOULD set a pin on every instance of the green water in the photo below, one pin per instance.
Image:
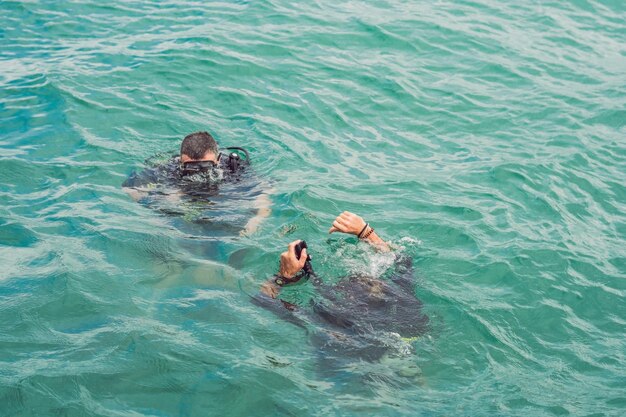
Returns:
(485, 138)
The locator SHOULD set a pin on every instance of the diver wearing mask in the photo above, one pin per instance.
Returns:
(199, 179)
(200, 161)
(199, 154)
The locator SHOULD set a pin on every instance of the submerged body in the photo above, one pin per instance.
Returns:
(363, 304)
(204, 186)
(223, 201)
(359, 317)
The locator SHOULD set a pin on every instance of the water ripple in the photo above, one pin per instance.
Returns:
(491, 133)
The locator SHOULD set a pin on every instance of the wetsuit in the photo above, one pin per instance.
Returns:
(221, 201)
(359, 316)
(210, 209)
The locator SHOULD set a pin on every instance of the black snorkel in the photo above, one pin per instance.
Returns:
(308, 269)
(234, 158)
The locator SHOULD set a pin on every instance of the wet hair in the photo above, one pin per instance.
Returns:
(197, 145)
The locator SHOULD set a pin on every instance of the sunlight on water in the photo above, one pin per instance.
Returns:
(484, 140)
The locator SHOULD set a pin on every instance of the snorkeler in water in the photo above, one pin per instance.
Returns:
(359, 315)
(203, 183)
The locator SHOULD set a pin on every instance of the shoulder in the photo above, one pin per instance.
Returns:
(154, 173)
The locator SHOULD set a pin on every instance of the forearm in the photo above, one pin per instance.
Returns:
(280, 308)
(373, 239)
(134, 193)
(270, 288)
(287, 270)
(353, 224)
(262, 205)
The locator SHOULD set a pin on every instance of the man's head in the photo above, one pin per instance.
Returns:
(199, 146)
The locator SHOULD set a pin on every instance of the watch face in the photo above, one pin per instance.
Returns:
(279, 281)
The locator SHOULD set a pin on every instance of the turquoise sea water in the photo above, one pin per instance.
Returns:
(486, 138)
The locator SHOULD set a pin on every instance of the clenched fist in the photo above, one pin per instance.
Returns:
(289, 264)
(349, 223)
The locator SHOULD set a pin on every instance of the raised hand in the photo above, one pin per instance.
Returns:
(354, 224)
(289, 264)
(349, 223)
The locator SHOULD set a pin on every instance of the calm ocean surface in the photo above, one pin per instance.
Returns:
(486, 139)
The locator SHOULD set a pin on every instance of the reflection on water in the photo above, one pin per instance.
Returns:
(485, 138)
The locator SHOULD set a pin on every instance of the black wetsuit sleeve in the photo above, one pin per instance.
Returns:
(132, 180)
(141, 179)
(282, 309)
(403, 275)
